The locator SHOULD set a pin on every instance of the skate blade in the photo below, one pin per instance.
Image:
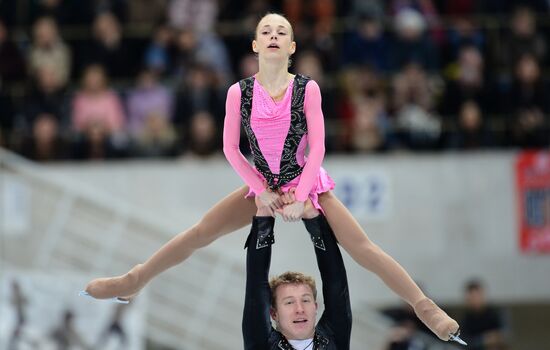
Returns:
(118, 300)
(456, 338)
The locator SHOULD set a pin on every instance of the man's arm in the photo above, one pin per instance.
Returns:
(256, 319)
(337, 314)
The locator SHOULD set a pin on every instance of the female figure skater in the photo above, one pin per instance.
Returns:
(283, 117)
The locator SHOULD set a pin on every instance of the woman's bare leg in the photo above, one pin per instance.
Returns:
(228, 215)
(369, 255)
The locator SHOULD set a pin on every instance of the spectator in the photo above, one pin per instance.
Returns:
(428, 11)
(411, 44)
(309, 64)
(483, 325)
(147, 11)
(468, 82)
(45, 143)
(470, 132)
(529, 104)
(405, 333)
(198, 93)
(419, 127)
(146, 98)
(65, 335)
(197, 16)
(464, 31)
(63, 11)
(203, 137)
(97, 103)
(109, 49)
(206, 49)
(248, 66)
(369, 126)
(158, 55)
(12, 63)
(366, 44)
(19, 302)
(523, 38)
(98, 118)
(363, 105)
(47, 96)
(114, 328)
(119, 8)
(49, 50)
(149, 117)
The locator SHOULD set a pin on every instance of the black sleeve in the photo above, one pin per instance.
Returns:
(256, 324)
(337, 314)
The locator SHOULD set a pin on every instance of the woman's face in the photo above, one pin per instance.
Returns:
(274, 38)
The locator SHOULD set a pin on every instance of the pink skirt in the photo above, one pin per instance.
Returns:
(323, 184)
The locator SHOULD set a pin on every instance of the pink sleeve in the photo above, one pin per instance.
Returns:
(231, 138)
(316, 140)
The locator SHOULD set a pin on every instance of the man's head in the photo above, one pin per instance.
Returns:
(294, 304)
(475, 295)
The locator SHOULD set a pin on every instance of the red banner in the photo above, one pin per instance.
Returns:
(533, 188)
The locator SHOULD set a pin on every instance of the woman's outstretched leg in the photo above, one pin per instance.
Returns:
(228, 215)
(369, 255)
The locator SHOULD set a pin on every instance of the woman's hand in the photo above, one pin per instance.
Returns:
(288, 197)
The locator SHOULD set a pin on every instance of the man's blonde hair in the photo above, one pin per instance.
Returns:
(290, 277)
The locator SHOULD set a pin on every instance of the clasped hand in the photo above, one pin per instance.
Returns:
(282, 203)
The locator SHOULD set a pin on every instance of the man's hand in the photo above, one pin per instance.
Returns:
(263, 210)
(292, 212)
(270, 199)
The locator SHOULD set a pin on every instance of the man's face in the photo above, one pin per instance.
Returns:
(295, 311)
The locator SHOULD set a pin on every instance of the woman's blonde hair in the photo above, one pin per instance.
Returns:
(276, 14)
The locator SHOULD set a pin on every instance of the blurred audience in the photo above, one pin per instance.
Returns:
(149, 117)
(65, 335)
(366, 44)
(411, 44)
(159, 53)
(418, 126)
(49, 50)
(522, 38)
(483, 326)
(114, 328)
(109, 49)
(408, 332)
(197, 16)
(528, 102)
(98, 116)
(12, 62)
(198, 92)
(147, 11)
(203, 138)
(401, 74)
(19, 302)
(470, 132)
(467, 81)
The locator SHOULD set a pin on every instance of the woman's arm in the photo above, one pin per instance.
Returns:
(231, 138)
(316, 140)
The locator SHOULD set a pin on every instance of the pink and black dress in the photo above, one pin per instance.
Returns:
(278, 133)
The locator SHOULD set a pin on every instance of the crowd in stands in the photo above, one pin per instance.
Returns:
(111, 79)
